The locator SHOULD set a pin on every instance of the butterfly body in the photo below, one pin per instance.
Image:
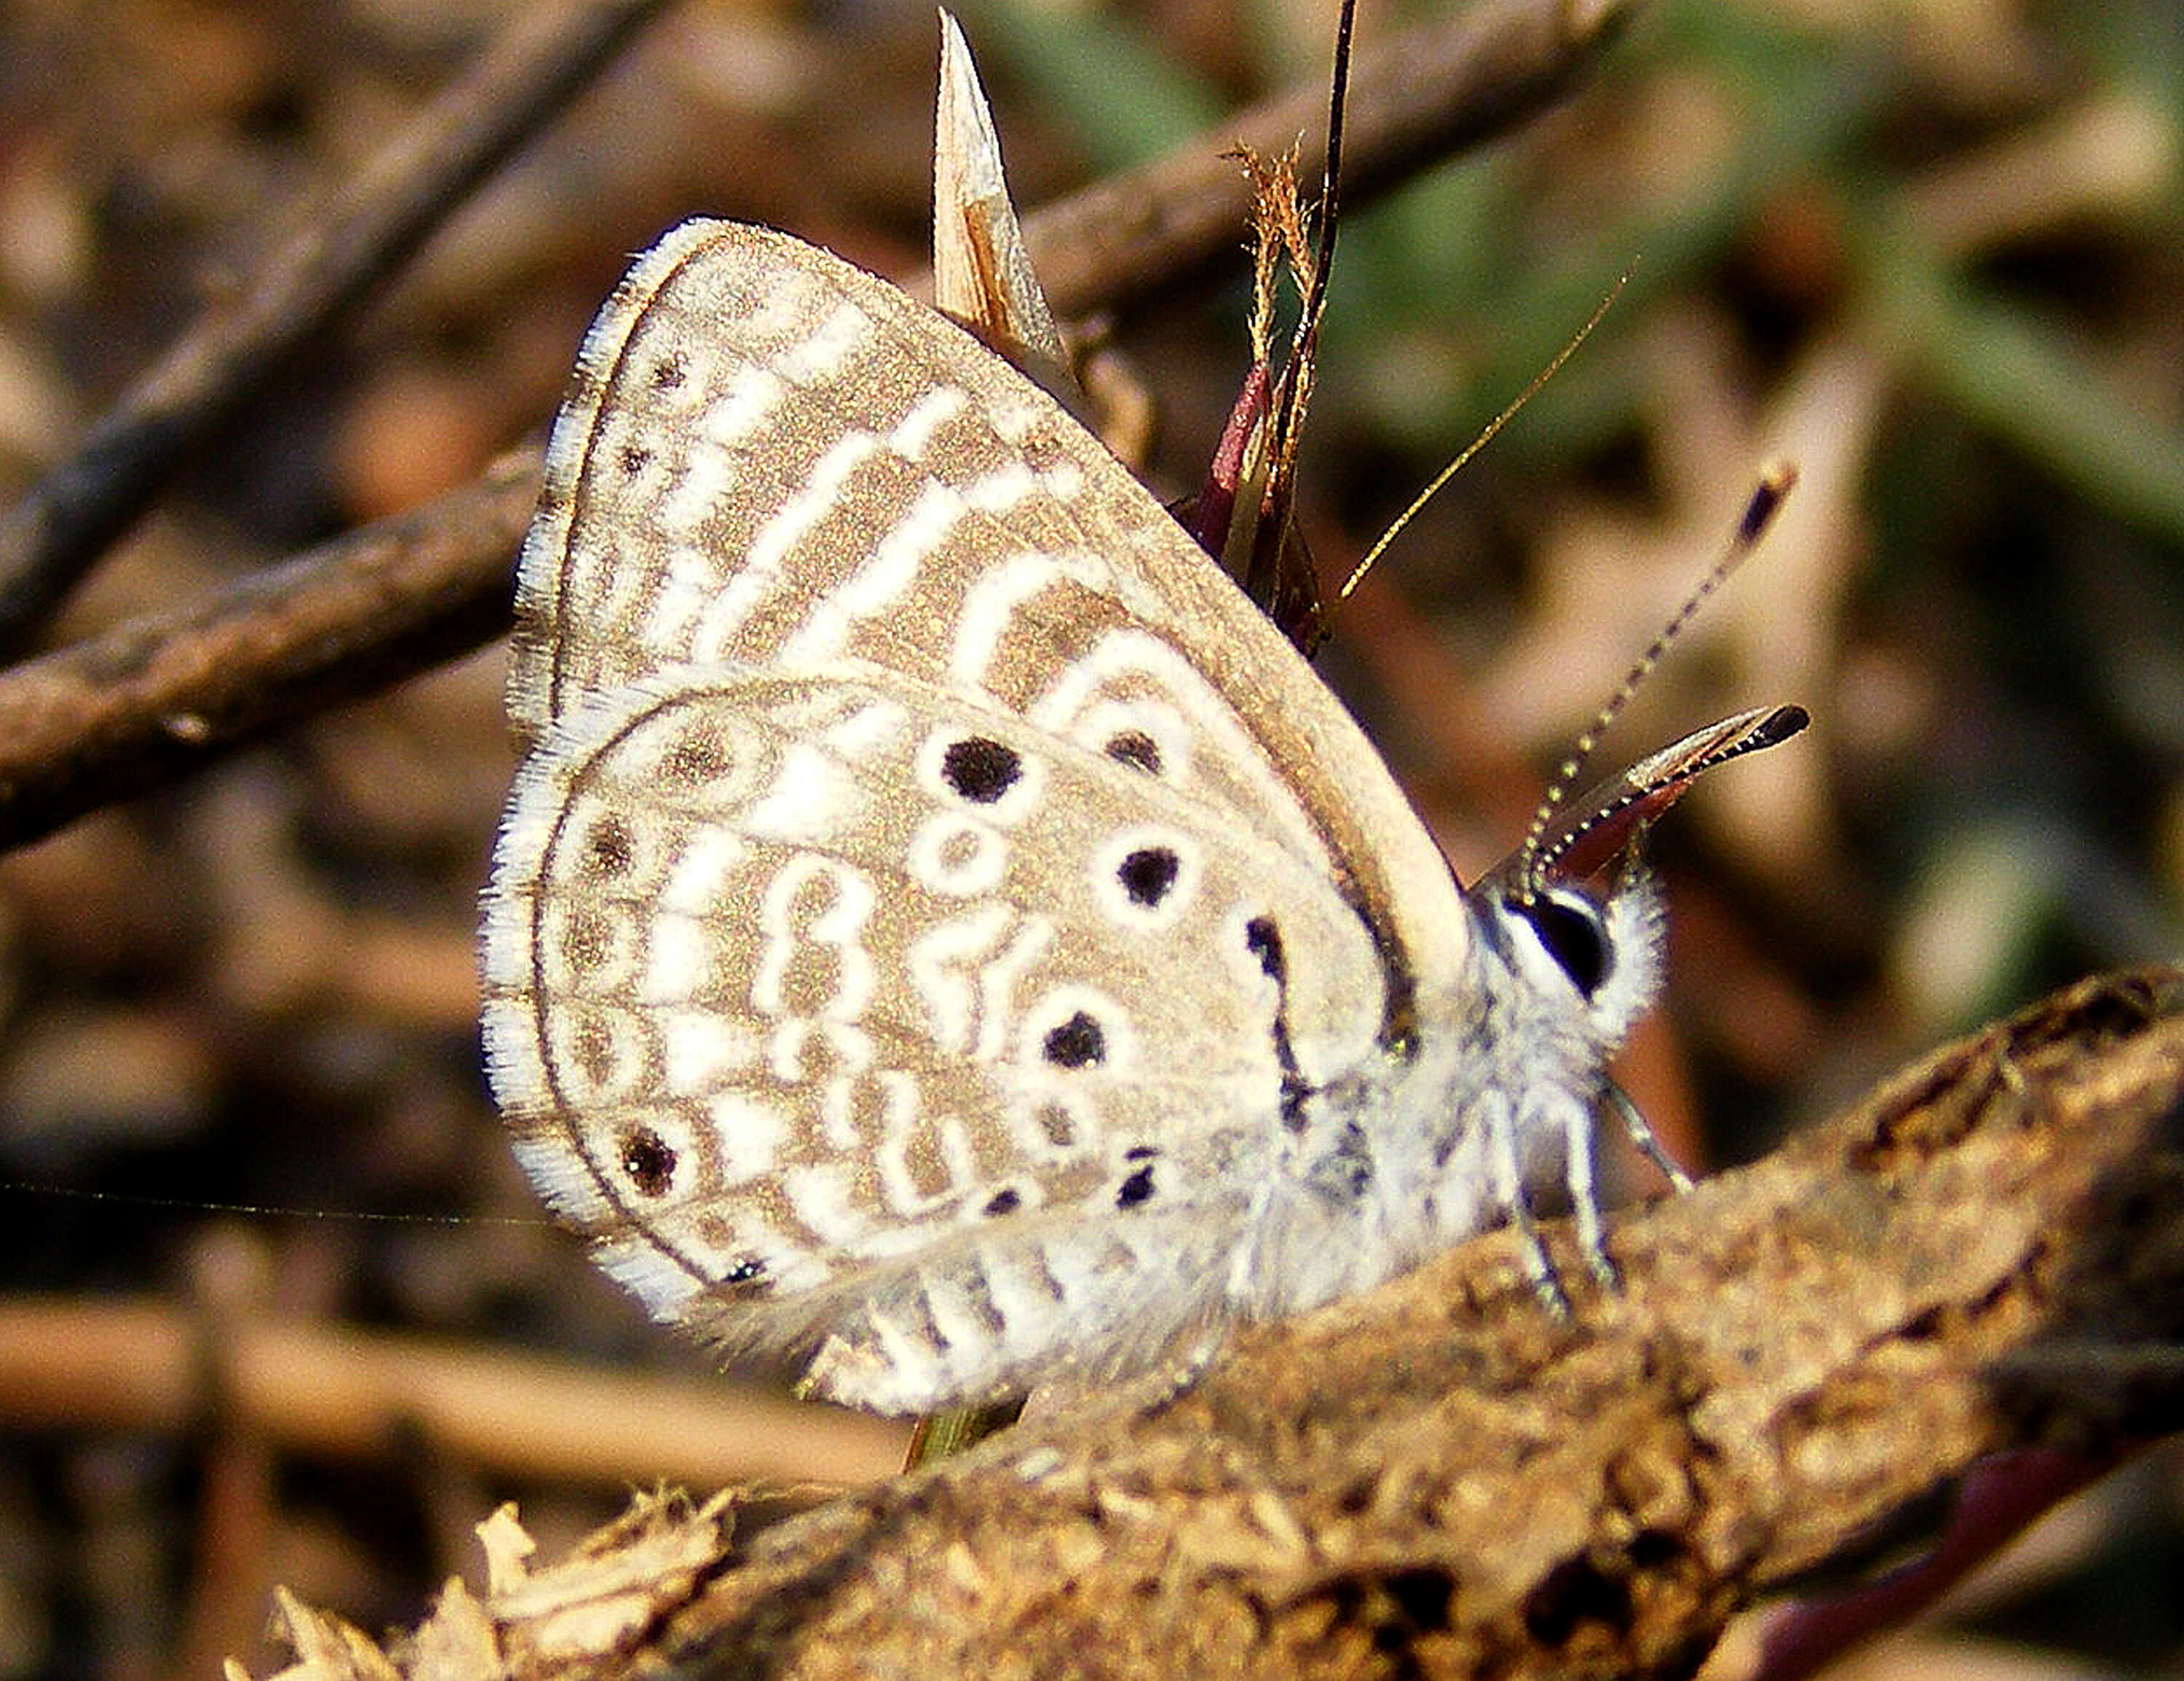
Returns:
(941, 932)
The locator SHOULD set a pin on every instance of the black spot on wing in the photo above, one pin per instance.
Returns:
(1262, 939)
(1078, 1042)
(746, 1279)
(649, 1161)
(610, 846)
(980, 769)
(1148, 874)
(1135, 748)
(1137, 1185)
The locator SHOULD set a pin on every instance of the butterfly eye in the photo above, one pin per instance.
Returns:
(1571, 931)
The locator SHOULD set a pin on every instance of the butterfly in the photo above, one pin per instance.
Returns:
(942, 935)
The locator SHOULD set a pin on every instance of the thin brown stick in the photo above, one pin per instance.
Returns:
(130, 710)
(1439, 1478)
(150, 1368)
(340, 251)
(1415, 99)
(143, 705)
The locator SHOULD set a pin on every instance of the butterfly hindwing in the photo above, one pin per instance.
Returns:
(802, 982)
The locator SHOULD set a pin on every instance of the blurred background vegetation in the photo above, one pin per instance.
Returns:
(1933, 250)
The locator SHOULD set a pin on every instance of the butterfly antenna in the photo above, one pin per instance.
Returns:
(1776, 479)
(1485, 436)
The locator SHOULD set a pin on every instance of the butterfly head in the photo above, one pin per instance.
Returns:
(1592, 957)
(1605, 945)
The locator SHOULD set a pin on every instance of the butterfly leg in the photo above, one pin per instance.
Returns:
(1641, 1135)
(1509, 1192)
(1580, 1172)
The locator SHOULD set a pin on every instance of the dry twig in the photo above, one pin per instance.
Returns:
(138, 706)
(55, 534)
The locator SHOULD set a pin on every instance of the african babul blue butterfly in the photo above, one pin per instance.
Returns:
(942, 932)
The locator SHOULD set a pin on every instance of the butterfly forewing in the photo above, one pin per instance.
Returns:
(769, 455)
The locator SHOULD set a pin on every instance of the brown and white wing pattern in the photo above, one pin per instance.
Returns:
(932, 888)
